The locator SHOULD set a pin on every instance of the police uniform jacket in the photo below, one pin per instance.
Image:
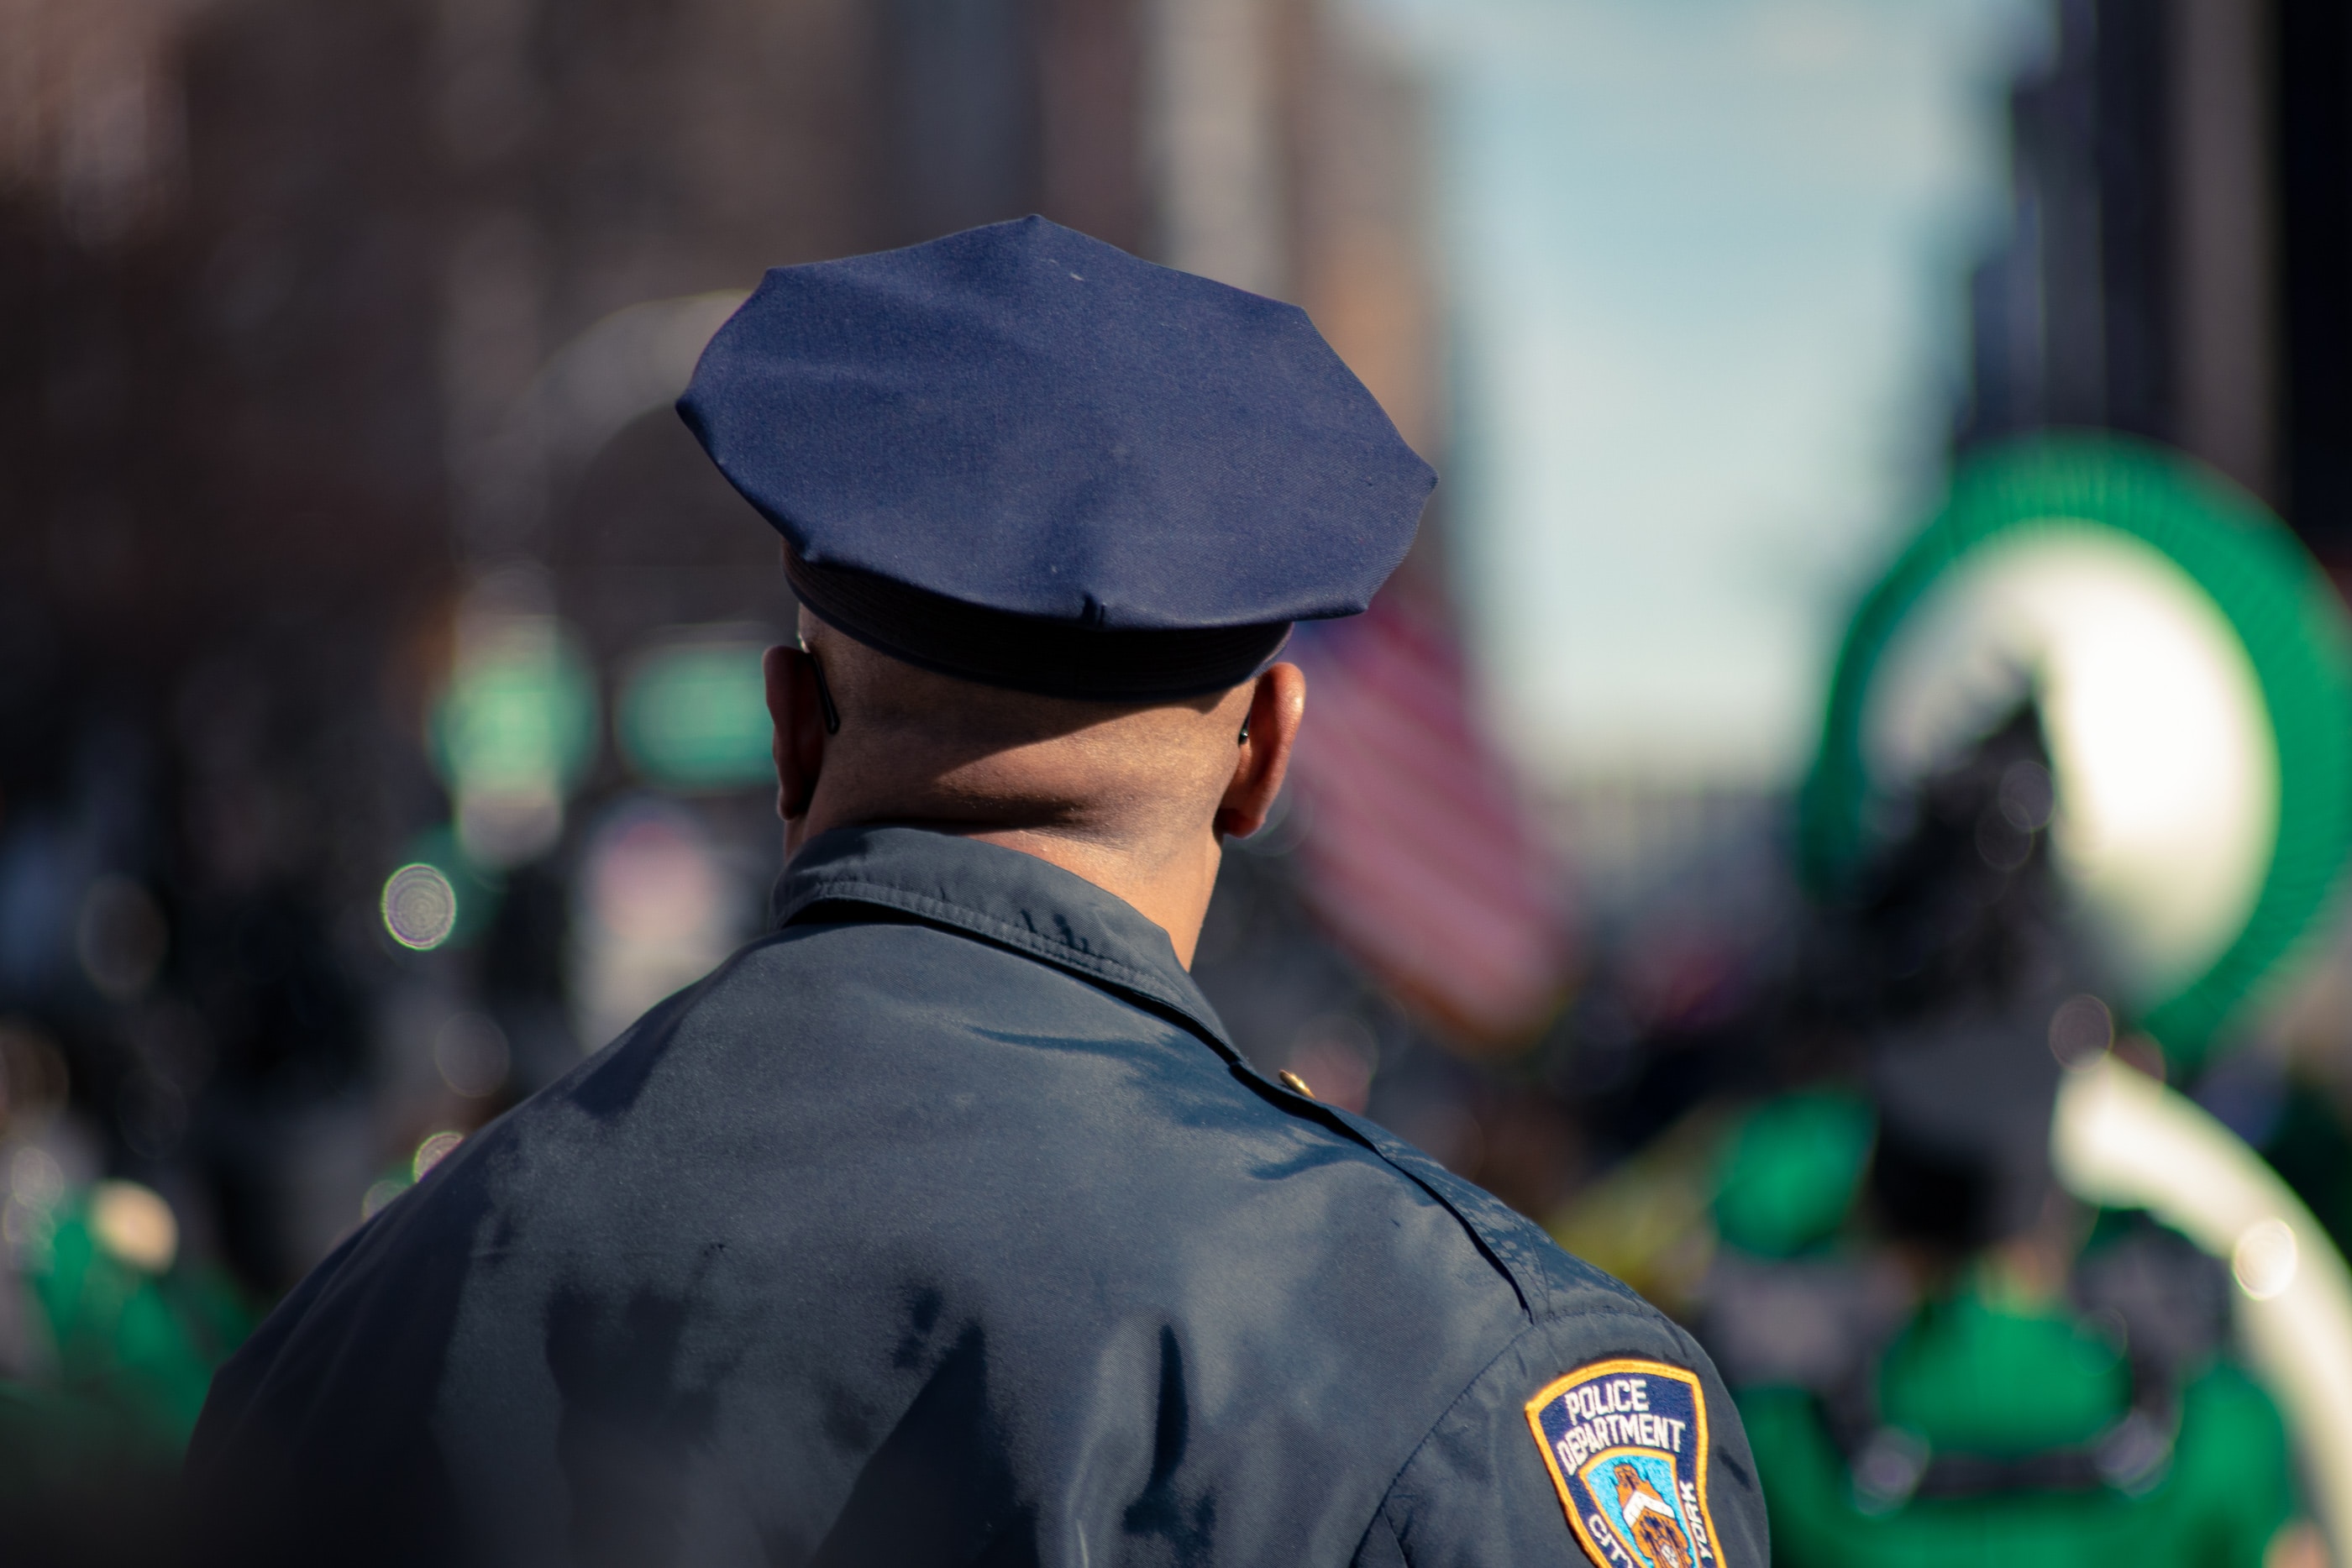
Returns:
(943, 1225)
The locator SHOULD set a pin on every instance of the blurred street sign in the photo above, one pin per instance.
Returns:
(2193, 670)
(515, 735)
(692, 712)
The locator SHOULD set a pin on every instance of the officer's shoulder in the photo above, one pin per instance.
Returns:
(1492, 1247)
(1594, 1377)
(1551, 1283)
(1514, 1252)
(1589, 1363)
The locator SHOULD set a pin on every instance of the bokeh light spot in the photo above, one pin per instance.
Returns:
(381, 1193)
(471, 1053)
(433, 1151)
(1337, 1055)
(35, 1178)
(2081, 1030)
(134, 1225)
(693, 713)
(420, 906)
(2264, 1259)
(120, 937)
(32, 1078)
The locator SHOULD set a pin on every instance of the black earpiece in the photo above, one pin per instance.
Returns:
(825, 698)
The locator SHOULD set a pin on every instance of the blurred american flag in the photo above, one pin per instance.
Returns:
(1418, 853)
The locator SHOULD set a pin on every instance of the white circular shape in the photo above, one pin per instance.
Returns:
(2167, 764)
(420, 906)
(2264, 1259)
(134, 1225)
(431, 1151)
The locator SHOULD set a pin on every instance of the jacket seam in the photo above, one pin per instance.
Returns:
(1535, 1293)
(1381, 1521)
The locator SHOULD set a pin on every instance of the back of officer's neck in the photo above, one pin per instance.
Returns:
(1166, 877)
(1170, 886)
(1124, 795)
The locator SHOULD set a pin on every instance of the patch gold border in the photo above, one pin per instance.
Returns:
(1550, 1391)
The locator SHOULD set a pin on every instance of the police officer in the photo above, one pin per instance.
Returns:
(944, 1224)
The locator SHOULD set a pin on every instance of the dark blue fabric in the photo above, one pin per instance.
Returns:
(942, 1226)
(1030, 421)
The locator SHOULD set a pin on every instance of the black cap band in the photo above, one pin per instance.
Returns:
(1025, 652)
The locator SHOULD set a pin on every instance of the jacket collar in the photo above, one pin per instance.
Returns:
(1012, 899)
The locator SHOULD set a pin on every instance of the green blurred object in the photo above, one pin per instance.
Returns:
(1967, 1378)
(1977, 1373)
(1789, 1178)
(2274, 598)
(132, 1353)
(520, 714)
(2228, 1491)
(693, 716)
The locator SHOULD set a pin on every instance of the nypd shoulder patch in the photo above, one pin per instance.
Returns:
(1625, 1442)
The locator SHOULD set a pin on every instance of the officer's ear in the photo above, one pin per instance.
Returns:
(798, 704)
(1278, 703)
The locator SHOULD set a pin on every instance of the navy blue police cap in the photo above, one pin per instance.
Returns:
(1023, 456)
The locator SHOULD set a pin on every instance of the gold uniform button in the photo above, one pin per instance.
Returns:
(1296, 1084)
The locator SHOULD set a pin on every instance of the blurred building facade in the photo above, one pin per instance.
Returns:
(2182, 228)
(339, 341)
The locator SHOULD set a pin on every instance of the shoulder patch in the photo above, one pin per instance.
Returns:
(1625, 1442)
